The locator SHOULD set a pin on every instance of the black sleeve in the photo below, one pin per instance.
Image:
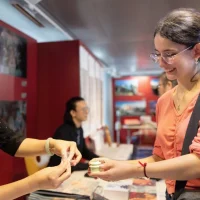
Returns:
(87, 154)
(9, 140)
(80, 166)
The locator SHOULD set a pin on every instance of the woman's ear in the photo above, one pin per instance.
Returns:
(197, 52)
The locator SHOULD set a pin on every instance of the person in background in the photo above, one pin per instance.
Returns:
(177, 51)
(165, 84)
(76, 112)
(16, 145)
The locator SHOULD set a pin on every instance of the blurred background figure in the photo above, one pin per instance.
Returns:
(71, 130)
(165, 84)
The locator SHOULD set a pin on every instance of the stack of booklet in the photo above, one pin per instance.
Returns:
(52, 195)
(132, 189)
(75, 187)
(143, 189)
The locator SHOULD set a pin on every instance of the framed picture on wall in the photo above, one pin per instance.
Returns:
(154, 85)
(13, 55)
(152, 107)
(14, 114)
(127, 87)
(131, 108)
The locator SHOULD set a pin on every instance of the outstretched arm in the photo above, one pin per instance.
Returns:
(48, 178)
(16, 145)
(16, 189)
(150, 159)
(30, 147)
(180, 168)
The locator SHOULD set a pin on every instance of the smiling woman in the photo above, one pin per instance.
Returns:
(177, 45)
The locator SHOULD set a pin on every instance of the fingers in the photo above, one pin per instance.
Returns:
(89, 170)
(68, 151)
(104, 171)
(102, 175)
(74, 154)
(105, 166)
(64, 154)
(59, 174)
(66, 174)
(60, 169)
(72, 150)
(71, 153)
(78, 156)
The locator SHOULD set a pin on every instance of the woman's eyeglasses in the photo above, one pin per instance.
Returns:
(169, 59)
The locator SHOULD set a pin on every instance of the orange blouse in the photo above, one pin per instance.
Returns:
(171, 132)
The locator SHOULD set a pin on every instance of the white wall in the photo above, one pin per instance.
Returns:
(108, 102)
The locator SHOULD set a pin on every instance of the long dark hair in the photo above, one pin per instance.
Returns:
(69, 106)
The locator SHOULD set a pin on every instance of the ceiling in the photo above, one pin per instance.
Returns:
(118, 32)
(13, 17)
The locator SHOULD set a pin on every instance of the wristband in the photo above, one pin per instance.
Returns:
(144, 167)
(47, 147)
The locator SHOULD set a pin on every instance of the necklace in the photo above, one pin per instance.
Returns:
(179, 100)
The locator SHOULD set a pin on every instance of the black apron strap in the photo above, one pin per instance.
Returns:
(189, 136)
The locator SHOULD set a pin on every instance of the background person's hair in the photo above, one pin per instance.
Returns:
(165, 80)
(71, 105)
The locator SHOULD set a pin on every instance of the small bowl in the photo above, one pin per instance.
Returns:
(94, 169)
(95, 163)
(95, 166)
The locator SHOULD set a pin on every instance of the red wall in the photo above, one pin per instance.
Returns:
(11, 89)
(144, 87)
(58, 80)
(53, 76)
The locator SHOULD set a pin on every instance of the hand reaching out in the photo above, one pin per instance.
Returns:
(66, 150)
(50, 177)
(112, 170)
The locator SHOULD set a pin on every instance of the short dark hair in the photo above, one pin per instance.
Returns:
(71, 105)
(181, 26)
(165, 80)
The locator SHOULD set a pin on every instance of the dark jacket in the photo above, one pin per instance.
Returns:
(9, 140)
(69, 132)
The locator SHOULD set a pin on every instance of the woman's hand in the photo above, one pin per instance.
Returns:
(66, 150)
(50, 177)
(112, 170)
